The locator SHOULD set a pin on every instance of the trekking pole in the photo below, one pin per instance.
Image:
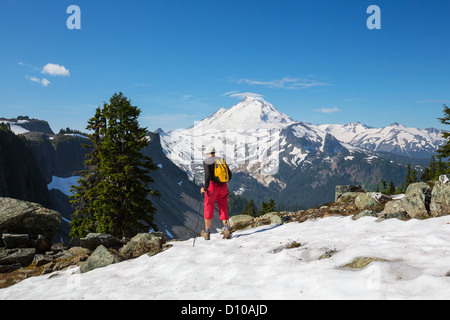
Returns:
(198, 219)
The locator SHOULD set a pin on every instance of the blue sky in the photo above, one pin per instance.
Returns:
(180, 61)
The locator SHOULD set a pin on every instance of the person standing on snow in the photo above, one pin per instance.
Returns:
(215, 191)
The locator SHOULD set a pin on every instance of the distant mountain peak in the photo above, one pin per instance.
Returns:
(250, 113)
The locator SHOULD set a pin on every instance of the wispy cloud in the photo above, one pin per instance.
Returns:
(434, 101)
(23, 64)
(55, 70)
(43, 82)
(328, 110)
(242, 95)
(285, 83)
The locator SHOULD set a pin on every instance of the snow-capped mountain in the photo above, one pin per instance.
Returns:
(251, 136)
(273, 155)
(395, 138)
(250, 113)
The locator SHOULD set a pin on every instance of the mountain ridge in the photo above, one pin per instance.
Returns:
(287, 160)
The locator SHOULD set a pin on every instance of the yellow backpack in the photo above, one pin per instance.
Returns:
(221, 171)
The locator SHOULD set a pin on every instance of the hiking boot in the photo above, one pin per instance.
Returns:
(226, 232)
(205, 235)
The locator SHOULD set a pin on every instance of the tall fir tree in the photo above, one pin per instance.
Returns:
(84, 220)
(391, 189)
(411, 176)
(113, 193)
(444, 151)
(267, 207)
(250, 208)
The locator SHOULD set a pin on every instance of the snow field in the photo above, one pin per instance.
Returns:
(256, 265)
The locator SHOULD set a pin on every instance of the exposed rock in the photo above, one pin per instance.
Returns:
(24, 257)
(143, 243)
(9, 267)
(93, 240)
(340, 190)
(365, 213)
(41, 259)
(417, 200)
(348, 197)
(394, 207)
(24, 217)
(394, 215)
(361, 262)
(40, 243)
(14, 240)
(240, 221)
(272, 217)
(100, 258)
(371, 201)
(440, 197)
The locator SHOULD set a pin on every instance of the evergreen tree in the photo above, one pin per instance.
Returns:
(444, 151)
(250, 208)
(430, 173)
(441, 168)
(414, 178)
(113, 193)
(391, 189)
(267, 207)
(378, 188)
(411, 176)
(384, 186)
(399, 189)
(85, 193)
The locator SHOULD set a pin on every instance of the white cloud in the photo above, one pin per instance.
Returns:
(43, 82)
(328, 110)
(55, 70)
(242, 95)
(285, 83)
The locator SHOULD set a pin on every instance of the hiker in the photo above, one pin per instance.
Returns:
(215, 191)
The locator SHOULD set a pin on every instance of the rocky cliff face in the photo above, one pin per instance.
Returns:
(20, 175)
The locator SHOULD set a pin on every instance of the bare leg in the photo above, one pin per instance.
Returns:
(208, 224)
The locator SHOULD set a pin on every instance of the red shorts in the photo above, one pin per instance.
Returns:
(216, 192)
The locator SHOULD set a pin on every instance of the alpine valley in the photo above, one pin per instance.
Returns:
(271, 155)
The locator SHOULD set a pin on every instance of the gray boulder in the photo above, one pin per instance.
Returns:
(100, 258)
(272, 217)
(417, 200)
(143, 243)
(240, 221)
(440, 197)
(22, 217)
(93, 240)
(22, 257)
(14, 240)
(365, 213)
(371, 201)
(340, 190)
(348, 197)
(394, 207)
